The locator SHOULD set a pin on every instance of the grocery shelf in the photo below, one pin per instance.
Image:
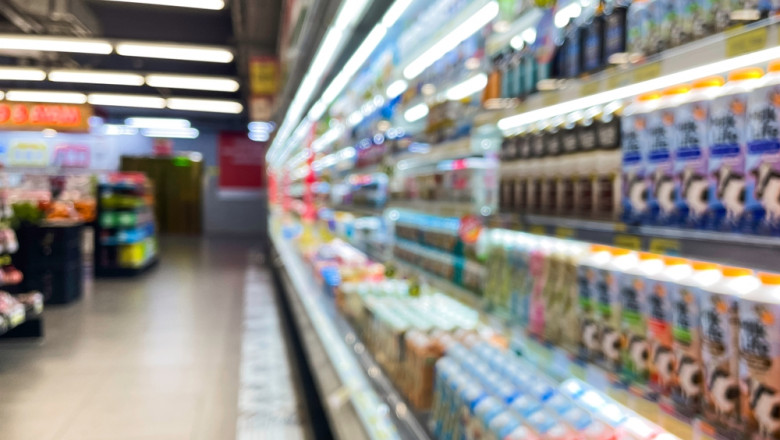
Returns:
(436, 207)
(754, 251)
(344, 370)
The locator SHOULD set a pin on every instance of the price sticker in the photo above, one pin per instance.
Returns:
(665, 246)
(632, 242)
(562, 232)
(647, 72)
(746, 42)
(538, 230)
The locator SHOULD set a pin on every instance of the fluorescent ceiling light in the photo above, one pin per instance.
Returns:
(96, 77)
(395, 89)
(213, 5)
(117, 100)
(205, 105)
(468, 87)
(164, 123)
(416, 113)
(170, 133)
(183, 52)
(54, 44)
(448, 42)
(21, 74)
(395, 12)
(46, 96)
(209, 83)
(117, 130)
(659, 83)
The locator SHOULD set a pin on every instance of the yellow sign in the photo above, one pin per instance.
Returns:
(538, 230)
(264, 76)
(23, 153)
(562, 232)
(746, 42)
(647, 72)
(664, 246)
(628, 242)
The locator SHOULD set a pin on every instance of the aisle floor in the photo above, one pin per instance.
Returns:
(192, 350)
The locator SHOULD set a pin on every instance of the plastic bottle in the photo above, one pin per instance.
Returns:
(592, 41)
(660, 158)
(660, 324)
(635, 356)
(690, 152)
(685, 296)
(638, 24)
(763, 155)
(720, 348)
(634, 151)
(591, 278)
(759, 348)
(727, 149)
(574, 253)
(539, 265)
(609, 306)
(614, 29)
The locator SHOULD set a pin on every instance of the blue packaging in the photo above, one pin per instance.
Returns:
(635, 141)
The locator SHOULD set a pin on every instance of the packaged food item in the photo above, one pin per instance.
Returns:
(759, 348)
(539, 265)
(669, 28)
(691, 184)
(660, 157)
(521, 280)
(688, 385)
(484, 412)
(502, 425)
(727, 149)
(762, 207)
(635, 141)
(720, 348)
(591, 279)
(638, 22)
(659, 290)
(635, 354)
(609, 306)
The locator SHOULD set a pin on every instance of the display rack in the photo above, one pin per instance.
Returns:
(344, 371)
(125, 229)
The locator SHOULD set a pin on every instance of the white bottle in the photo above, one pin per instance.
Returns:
(635, 355)
(759, 348)
(720, 348)
(688, 391)
(634, 142)
(659, 324)
(609, 306)
(727, 150)
(690, 152)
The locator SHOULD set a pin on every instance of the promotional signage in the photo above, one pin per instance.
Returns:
(241, 164)
(264, 85)
(22, 116)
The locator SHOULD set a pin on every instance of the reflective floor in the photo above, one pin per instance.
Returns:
(186, 351)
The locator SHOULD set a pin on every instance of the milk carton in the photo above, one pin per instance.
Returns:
(609, 307)
(591, 278)
(660, 157)
(759, 348)
(762, 208)
(720, 349)
(727, 150)
(635, 140)
(691, 153)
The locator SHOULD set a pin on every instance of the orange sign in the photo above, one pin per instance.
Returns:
(21, 116)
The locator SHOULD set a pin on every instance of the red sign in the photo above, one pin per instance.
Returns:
(162, 147)
(241, 162)
(34, 117)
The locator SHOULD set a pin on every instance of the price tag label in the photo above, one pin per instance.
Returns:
(647, 72)
(665, 246)
(628, 242)
(746, 42)
(538, 230)
(562, 232)
(590, 88)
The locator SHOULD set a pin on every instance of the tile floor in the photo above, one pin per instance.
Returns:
(156, 358)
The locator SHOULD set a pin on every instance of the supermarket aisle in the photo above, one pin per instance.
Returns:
(158, 357)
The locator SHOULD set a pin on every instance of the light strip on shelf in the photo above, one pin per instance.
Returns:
(328, 138)
(395, 12)
(162, 123)
(473, 24)
(190, 82)
(205, 105)
(21, 74)
(54, 44)
(169, 133)
(416, 113)
(468, 87)
(620, 93)
(395, 89)
(96, 77)
(214, 5)
(118, 100)
(182, 52)
(46, 96)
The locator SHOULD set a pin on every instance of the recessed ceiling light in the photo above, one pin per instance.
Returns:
(54, 44)
(205, 105)
(190, 82)
(46, 96)
(183, 52)
(96, 77)
(171, 133)
(117, 100)
(21, 74)
(157, 123)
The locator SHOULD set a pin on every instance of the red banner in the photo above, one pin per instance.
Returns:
(241, 163)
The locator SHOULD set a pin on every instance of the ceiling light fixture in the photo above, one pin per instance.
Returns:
(46, 96)
(21, 74)
(96, 77)
(172, 51)
(452, 39)
(54, 44)
(117, 130)
(395, 12)
(117, 100)
(189, 82)
(205, 105)
(162, 123)
(170, 133)
(214, 5)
